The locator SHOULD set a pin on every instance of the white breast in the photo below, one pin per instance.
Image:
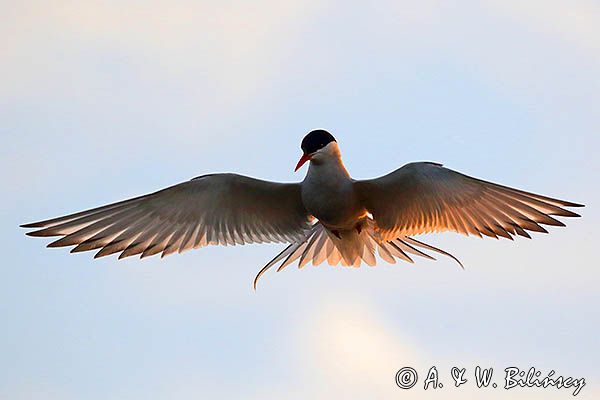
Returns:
(328, 192)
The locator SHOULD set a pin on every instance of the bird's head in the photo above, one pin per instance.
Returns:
(318, 146)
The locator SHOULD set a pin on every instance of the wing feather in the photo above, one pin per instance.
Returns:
(225, 209)
(426, 197)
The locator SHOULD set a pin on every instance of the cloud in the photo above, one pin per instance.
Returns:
(228, 46)
(575, 23)
(347, 349)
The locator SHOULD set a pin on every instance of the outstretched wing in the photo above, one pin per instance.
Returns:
(211, 209)
(426, 197)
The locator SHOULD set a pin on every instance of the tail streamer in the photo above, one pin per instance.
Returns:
(350, 249)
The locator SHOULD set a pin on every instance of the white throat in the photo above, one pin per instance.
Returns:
(327, 163)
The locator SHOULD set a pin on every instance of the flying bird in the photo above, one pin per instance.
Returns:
(327, 217)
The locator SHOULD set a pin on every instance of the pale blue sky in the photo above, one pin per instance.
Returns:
(100, 101)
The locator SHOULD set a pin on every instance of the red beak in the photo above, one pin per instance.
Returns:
(303, 159)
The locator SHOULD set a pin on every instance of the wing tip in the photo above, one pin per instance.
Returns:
(32, 225)
(576, 205)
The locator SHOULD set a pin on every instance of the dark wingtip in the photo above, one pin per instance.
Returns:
(32, 225)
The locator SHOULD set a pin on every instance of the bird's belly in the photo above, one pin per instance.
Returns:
(335, 210)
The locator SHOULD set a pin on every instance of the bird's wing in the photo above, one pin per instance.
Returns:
(211, 209)
(426, 197)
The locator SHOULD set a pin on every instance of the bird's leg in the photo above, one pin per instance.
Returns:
(358, 228)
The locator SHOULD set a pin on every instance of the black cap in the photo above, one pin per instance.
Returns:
(316, 140)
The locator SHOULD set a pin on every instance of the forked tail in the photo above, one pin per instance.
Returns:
(350, 248)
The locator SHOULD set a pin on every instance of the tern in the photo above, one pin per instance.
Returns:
(327, 217)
